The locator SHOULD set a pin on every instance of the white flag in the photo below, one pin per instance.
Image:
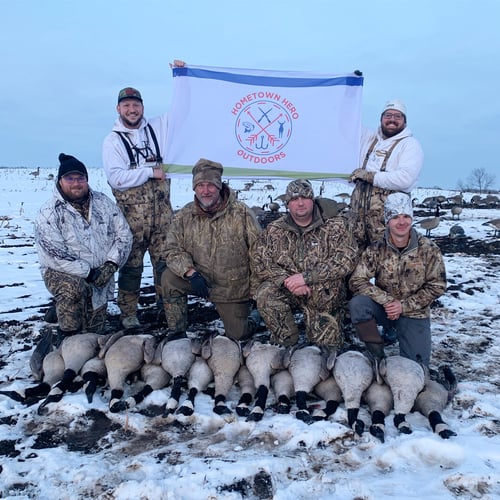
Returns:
(265, 124)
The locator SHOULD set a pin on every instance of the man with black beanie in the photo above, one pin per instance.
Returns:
(82, 239)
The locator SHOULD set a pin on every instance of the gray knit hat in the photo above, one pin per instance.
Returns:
(397, 204)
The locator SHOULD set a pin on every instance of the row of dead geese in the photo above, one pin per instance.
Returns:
(396, 385)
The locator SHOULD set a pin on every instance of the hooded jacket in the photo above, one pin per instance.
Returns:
(404, 164)
(68, 243)
(115, 158)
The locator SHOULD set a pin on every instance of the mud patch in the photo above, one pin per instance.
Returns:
(8, 448)
(92, 427)
(87, 439)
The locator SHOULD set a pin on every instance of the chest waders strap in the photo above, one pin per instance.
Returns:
(366, 188)
(133, 162)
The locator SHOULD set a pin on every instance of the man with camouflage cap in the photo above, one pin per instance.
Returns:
(394, 283)
(207, 250)
(301, 261)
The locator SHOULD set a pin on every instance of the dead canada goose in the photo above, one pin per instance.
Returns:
(430, 223)
(495, 224)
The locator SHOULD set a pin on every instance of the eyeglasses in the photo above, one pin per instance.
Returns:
(71, 179)
(394, 116)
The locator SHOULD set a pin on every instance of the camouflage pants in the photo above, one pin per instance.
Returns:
(234, 315)
(73, 298)
(367, 213)
(149, 213)
(323, 314)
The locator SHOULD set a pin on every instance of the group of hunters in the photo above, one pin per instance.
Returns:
(367, 262)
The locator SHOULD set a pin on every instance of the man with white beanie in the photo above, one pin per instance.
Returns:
(390, 160)
(394, 284)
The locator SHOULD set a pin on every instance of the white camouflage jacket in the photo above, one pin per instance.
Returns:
(66, 242)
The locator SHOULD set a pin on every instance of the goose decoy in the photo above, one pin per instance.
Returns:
(495, 224)
(456, 210)
(430, 223)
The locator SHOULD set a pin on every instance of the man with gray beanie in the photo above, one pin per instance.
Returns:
(207, 248)
(300, 261)
(390, 160)
(394, 284)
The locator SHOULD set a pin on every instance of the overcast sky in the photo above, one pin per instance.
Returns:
(63, 63)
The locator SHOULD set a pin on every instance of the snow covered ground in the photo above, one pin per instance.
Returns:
(81, 450)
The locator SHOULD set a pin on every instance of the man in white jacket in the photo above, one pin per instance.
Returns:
(82, 239)
(132, 159)
(390, 160)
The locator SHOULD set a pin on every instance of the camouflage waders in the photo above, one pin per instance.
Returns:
(367, 220)
(323, 314)
(367, 205)
(234, 315)
(149, 213)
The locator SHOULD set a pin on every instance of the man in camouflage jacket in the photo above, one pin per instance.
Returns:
(207, 250)
(395, 282)
(301, 261)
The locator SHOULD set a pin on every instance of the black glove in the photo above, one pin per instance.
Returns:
(199, 284)
(102, 274)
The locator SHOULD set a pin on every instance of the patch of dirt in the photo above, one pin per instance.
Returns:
(90, 428)
(87, 439)
(8, 448)
(467, 246)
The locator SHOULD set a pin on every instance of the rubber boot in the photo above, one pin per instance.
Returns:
(369, 334)
(127, 302)
(376, 351)
(62, 334)
(176, 312)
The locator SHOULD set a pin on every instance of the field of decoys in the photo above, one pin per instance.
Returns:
(119, 416)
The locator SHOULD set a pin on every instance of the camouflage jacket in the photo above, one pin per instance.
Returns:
(69, 243)
(415, 276)
(322, 252)
(217, 246)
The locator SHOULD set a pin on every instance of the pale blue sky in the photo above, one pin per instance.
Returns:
(63, 63)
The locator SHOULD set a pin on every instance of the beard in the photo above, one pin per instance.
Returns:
(392, 131)
(129, 123)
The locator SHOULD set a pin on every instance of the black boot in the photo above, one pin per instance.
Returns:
(62, 334)
(376, 351)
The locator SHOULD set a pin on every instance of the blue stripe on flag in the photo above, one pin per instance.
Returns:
(269, 81)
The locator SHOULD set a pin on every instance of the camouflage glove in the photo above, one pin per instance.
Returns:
(199, 285)
(102, 274)
(363, 175)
